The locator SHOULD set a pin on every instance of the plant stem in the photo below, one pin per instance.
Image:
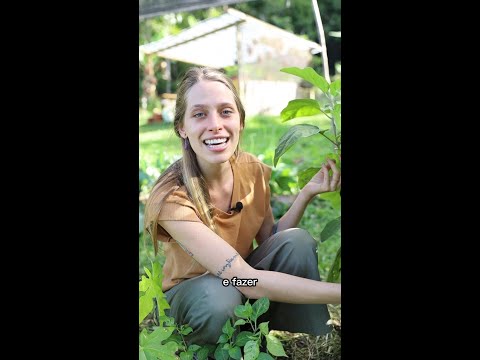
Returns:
(333, 125)
(333, 142)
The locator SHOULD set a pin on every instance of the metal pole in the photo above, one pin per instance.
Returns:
(321, 35)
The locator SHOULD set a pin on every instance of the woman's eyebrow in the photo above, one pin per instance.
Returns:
(218, 105)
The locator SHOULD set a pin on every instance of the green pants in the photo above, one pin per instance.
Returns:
(205, 304)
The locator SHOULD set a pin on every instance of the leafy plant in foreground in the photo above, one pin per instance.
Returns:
(167, 338)
(229, 346)
(306, 108)
(167, 342)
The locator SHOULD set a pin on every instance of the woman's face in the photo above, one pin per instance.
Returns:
(211, 122)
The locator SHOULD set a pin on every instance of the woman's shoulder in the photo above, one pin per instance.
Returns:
(246, 160)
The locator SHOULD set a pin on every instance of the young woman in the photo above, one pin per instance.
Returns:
(207, 208)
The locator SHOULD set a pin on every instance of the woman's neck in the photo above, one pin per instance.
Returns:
(216, 174)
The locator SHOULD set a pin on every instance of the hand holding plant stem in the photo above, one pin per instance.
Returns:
(321, 182)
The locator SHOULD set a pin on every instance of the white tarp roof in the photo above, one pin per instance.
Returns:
(216, 42)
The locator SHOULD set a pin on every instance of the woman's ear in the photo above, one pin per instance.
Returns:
(182, 133)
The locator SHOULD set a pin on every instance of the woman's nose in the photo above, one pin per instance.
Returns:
(215, 123)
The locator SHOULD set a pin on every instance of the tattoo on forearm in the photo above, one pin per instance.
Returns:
(186, 250)
(227, 265)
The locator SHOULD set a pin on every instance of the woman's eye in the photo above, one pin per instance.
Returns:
(198, 115)
(227, 112)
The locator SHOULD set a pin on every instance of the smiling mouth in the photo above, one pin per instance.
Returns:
(216, 143)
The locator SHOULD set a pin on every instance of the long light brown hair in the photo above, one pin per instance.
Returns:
(186, 171)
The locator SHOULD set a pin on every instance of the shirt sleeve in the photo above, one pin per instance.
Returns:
(176, 207)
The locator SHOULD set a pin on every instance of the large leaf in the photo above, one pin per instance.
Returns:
(333, 197)
(221, 353)
(187, 355)
(274, 346)
(145, 307)
(336, 268)
(264, 356)
(164, 352)
(300, 107)
(151, 346)
(152, 288)
(235, 353)
(335, 88)
(202, 354)
(243, 311)
(306, 175)
(228, 329)
(260, 307)
(291, 137)
(331, 228)
(243, 338)
(309, 75)
(264, 328)
(159, 334)
(251, 350)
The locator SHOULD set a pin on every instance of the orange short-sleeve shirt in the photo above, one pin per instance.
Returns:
(250, 186)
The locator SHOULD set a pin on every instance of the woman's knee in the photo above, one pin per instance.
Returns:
(214, 305)
(297, 253)
(298, 240)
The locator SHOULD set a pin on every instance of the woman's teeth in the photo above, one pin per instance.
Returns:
(215, 141)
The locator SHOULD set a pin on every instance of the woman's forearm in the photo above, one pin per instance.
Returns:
(291, 289)
(294, 214)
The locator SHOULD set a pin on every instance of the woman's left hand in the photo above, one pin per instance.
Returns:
(321, 182)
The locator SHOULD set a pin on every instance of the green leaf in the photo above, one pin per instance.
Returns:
(336, 268)
(141, 354)
(222, 339)
(188, 355)
(168, 320)
(194, 347)
(264, 356)
(335, 88)
(264, 328)
(239, 322)
(333, 197)
(160, 334)
(243, 311)
(221, 353)
(144, 284)
(309, 75)
(291, 137)
(202, 354)
(306, 175)
(228, 329)
(299, 108)
(274, 346)
(235, 353)
(260, 307)
(145, 307)
(162, 304)
(331, 228)
(251, 350)
(164, 352)
(186, 331)
(143, 336)
(243, 338)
